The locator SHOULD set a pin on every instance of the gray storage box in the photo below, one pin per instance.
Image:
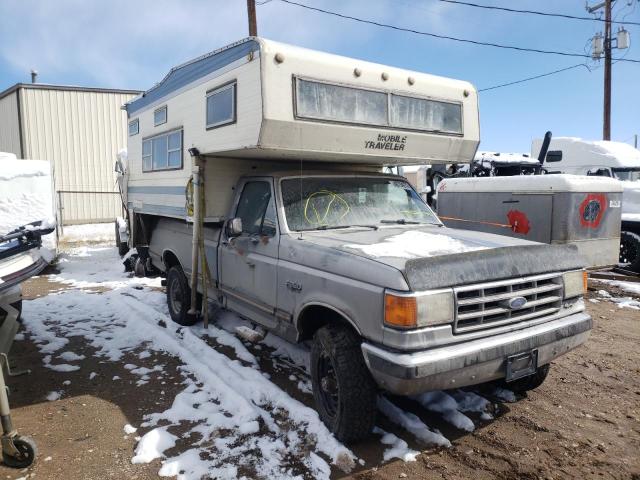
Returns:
(584, 211)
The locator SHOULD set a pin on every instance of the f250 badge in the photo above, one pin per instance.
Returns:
(387, 142)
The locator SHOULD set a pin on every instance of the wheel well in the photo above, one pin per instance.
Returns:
(169, 259)
(314, 317)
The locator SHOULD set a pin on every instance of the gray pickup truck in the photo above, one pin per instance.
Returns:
(357, 265)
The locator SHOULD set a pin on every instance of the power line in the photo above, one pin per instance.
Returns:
(534, 77)
(535, 12)
(448, 37)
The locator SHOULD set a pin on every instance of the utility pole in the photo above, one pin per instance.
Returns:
(604, 44)
(606, 125)
(251, 12)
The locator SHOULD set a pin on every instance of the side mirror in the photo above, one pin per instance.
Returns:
(426, 189)
(554, 156)
(234, 227)
(118, 168)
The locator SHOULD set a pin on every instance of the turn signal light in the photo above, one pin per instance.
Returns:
(585, 280)
(400, 311)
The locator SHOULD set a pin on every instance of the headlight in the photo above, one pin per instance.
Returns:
(418, 309)
(575, 283)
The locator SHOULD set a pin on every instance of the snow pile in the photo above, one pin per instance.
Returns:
(89, 233)
(398, 448)
(622, 302)
(631, 201)
(26, 196)
(415, 244)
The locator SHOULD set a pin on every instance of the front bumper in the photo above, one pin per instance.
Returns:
(475, 361)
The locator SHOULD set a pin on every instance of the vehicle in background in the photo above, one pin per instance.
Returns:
(615, 160)
(253, 180)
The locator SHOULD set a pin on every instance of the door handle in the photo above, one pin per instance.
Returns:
(255, 240)
(250, 264)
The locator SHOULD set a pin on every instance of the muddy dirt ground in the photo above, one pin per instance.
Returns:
(584, 422)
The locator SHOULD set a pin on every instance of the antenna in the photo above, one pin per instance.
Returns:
(301, 198)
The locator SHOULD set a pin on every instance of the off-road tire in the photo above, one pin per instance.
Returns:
(179, 297)
(123, 248)
(530, 382)
(357, 393)
(630, 250)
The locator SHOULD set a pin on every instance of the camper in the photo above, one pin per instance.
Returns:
(254, 179)
(616, 160)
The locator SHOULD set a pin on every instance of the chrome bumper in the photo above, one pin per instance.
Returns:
(473, 362)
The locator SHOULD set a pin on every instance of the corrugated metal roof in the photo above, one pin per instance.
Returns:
(68, 88)
(186, 73)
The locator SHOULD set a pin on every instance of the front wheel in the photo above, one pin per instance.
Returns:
(179, 297)
(344, 392)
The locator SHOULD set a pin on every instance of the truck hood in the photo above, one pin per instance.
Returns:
(436, 257)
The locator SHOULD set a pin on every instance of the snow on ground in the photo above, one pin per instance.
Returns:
(236, 418)
(413, 244)
(622, 302)
(90, 232)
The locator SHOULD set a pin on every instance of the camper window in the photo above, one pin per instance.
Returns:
(160, 116)
(423, 114)
(134, 127)
(221, 106)
(342, 104)
(338, 103)
(163, 152)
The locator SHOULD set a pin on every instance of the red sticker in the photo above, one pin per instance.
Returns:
(518, 221)
(592, 209)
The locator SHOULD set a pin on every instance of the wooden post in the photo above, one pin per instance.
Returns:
(251, 12)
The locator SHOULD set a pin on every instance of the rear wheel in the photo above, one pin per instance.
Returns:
(344, 392)
(630, 250)
(123, 248)
(179, 297)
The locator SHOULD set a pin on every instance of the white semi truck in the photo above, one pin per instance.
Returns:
(607, 159)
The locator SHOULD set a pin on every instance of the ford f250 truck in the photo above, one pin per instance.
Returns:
(290, 223)
(358, 265)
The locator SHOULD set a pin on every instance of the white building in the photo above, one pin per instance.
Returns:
(79, 130)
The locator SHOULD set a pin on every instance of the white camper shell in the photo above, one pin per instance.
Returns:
(256, 104)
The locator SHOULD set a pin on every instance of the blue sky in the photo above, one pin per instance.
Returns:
(133, 43)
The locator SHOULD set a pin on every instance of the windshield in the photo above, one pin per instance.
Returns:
(627, 174)
(313, 203)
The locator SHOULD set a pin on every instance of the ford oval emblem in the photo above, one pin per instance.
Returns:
(516, 303)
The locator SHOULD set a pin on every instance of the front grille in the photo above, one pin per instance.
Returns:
(486, 305)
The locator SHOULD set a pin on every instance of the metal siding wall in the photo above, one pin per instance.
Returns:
(80, 132)
(9, 126)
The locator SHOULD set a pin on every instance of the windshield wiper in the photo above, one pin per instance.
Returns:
(401, 221)
(336, 227)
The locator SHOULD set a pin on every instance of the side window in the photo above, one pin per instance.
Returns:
(162, 152)
(257, 210)
(221, 106)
